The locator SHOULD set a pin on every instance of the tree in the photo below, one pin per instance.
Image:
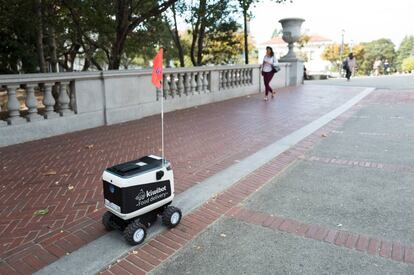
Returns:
(225, 46)
(172, 24)
(18, 37)
(107, 24)
(405, 50)
(382, 49)
(332, 53)
(408, 64)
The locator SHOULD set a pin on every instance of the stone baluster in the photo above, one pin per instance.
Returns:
(187, 83)
(31, 103)
(245, 77)
(242, 77)
(238, 79)
(49, 101)
(205, 82)
(193, 83)
(200, 82)
(222, 80)
(173, 90)
(64, 99)
(232, 78)
(166, 86)
(72, 98)
(180, 84)
(13, 106)
(250, 76)
(228, 80)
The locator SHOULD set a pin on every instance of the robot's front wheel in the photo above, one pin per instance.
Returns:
(171, 216)
(135, 233)
(107, 221)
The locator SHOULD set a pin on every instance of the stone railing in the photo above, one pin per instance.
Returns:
(34, 106)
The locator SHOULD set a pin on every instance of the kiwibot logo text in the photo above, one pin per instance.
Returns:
(145, 197)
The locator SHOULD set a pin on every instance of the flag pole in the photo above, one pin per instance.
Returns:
(162, 126)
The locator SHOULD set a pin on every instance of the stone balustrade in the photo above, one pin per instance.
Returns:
(34, 106)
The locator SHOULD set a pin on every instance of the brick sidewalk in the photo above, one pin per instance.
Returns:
(63, 173)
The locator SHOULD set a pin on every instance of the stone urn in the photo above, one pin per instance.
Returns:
(291, 34)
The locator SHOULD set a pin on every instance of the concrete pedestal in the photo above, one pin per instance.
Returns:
(295, 70)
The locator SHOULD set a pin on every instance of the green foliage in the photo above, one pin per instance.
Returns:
(332, 53)
(405, 50)
(17, 43)
(408, 64)
(382, 49)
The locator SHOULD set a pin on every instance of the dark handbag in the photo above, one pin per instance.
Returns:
(275, 69)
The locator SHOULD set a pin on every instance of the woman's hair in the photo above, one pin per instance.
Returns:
(351, 56)
(271, 50)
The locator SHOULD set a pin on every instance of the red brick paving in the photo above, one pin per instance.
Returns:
(63, 173)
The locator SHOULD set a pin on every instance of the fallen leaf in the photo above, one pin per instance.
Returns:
(67, 253)
(134, 252)
(70, 187)
(339, 225)
(222, 235)
(41, 212)
(89, 146)
(50, 173)
(323, 135)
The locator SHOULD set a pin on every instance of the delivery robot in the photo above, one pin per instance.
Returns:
(136, 193)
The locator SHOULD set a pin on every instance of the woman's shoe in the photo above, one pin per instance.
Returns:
(265, 99)
(273, 94)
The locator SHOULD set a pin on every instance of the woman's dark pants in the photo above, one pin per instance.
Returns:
(267, 77)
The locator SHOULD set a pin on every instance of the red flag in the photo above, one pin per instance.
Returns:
(157, 70)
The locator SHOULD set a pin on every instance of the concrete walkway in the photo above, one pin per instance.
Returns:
(393, 82)
(62, 174)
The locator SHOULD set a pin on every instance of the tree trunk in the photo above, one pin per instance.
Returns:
(200, 45)
(52, 46)
(176, 38)
(39, 37)
(246, 43)
(122, 25)
(194, 42)
(198, 34)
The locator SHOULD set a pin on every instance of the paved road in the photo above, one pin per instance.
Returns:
(394, 82)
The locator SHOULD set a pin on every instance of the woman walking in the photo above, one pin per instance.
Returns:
(269, 62)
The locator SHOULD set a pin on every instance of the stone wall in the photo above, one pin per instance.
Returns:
(35, 106)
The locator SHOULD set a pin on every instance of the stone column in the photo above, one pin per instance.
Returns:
(13, 106)
(49, 102)
(64, 99)
(173, 89)
(31, 103)
(180, 84)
